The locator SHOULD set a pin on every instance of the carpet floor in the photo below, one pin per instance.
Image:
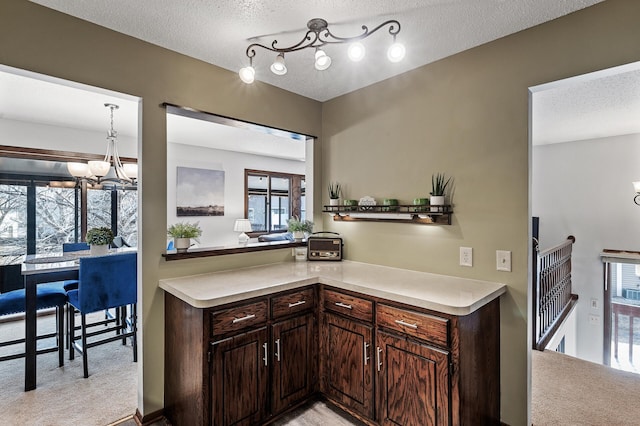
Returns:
(63, 396)
(571, 391)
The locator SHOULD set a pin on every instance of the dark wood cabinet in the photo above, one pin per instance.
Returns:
(348, 366)
(386, 363)
(239, 379)
(294, 362)
(413, 382)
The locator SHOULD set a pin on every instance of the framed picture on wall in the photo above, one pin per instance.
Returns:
(199, 192)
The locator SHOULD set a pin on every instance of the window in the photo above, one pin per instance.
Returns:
(272, 198)
(39, 212)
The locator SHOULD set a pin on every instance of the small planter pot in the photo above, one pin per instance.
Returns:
(298, 235)
(334, 201)
(99, 250)
(182, 244)
(437, 200)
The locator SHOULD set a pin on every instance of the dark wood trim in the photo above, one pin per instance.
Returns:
(199, 114)
(150, 418)
(52, 155)
(212, 251)
(546, 337)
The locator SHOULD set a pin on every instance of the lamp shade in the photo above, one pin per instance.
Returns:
(636, 186)
(131, 170)
(242, 225)
(79, 169)
(323, 61)
(99, 168)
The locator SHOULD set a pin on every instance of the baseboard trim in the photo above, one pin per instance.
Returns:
(151, 418)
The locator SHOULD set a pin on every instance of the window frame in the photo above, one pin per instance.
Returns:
(295, 196)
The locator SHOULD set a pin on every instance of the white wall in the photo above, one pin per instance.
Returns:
(218, 230)
(42, 136)
(584, 189)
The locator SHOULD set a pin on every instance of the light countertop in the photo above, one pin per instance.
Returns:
(442, 293)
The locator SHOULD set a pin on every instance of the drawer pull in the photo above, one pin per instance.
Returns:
(302, 302)
(406, 324)
(379, 351)
(266, 353)
(366, 352)
(248, 317)
(342, 305)
(278, 350)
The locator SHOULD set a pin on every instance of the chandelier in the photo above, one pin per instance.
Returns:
(318, 36)
(109, 173)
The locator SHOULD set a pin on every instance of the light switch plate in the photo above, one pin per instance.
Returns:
(503, 260)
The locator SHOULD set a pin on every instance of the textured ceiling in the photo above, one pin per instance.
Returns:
(219, 32)
(601, 104)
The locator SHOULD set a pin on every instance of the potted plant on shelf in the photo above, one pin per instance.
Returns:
(438, 190)
(299, 227)
(182, 233)
(99, 240)
(334, 193)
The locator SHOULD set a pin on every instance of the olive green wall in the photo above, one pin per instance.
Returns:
(466, 115)
(42, 40)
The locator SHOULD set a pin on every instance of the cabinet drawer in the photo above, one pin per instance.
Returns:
(423, 326)
(238, 318)
(348, 305)
(286, 304)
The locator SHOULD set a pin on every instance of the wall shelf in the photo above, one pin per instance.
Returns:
(424, 215)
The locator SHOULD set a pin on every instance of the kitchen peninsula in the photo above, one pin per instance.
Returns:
(387, 345)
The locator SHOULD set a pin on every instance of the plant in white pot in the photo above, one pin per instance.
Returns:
(99, 240)
(183, 233)
(299, 227)
(439, 185)
(334, 193)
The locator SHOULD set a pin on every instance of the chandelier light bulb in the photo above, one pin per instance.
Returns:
(322, 60)
(278, 67)
(247, 74)
(396, 52)
(356, 51)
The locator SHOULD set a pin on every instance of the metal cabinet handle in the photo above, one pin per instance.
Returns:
(378, 352)
(266, 353)
(248, 317)
(277, 342)
(302, 302)
(342, 305)
(406, 324)
(366, 352)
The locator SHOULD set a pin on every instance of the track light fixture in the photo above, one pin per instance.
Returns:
(318, 36)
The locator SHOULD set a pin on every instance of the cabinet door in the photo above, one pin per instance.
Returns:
(293, 361)
(239, 375)
(348, 368)
(413, 382)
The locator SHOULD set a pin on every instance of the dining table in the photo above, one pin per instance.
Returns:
(43, 268)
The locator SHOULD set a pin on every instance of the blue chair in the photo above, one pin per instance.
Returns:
(105, 282)
(49, 295)
(71, 247)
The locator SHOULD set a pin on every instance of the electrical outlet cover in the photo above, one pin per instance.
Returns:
(466, 256)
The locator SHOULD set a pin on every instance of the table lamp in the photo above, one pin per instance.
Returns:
(242, 226)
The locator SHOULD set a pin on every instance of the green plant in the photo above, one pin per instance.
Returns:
(294, 224)
(185, 230)
(99, 236)
(334, 190)
(439, 184)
